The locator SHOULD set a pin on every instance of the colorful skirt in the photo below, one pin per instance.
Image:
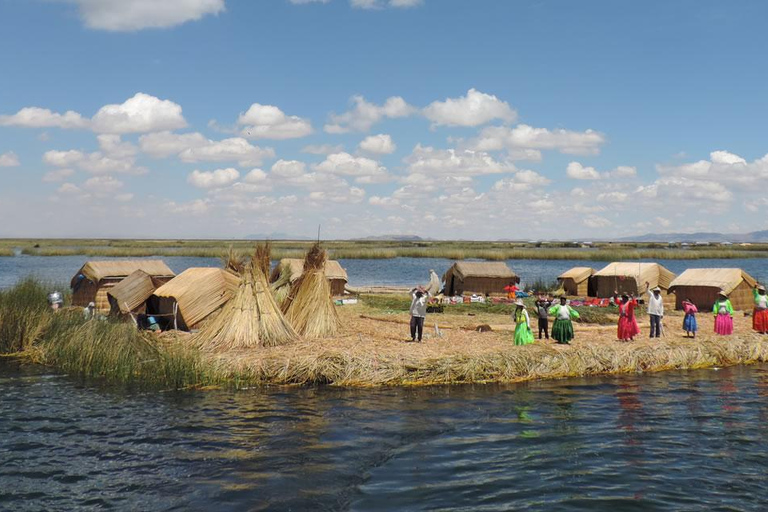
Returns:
(523, 334)
(724, 324)
(628, 327)
(689, 323)
(760, 320)
(562, 330)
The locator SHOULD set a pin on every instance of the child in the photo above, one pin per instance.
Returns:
(419, 297)
(542, 309)
(689, 322)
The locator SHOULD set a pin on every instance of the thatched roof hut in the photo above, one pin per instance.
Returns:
(131, 294)
(478, 277)
(630, 277)
(289, 270)
(701, 286)
(194, 295)
(94, 279)
(577, 281)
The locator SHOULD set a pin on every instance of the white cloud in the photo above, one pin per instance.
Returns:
(140, 114)
(612, 197)
(683, 190)
(364, 170)
(377, 4)
(124, 198)
(57, 175)
(131, 15)
(36, 117)
(378, 145)
(288, 169)
(596, 222)
(303, 2)
(235, 149)
(578, 172)
(364, 115)
(102, 185)
(196, 207)
(269, 122)
(726, 158)
(435, 162)
(255, 176)
(96, 162)
(9, 159)
(114, 147)
(474, 109)
(213, 179)
(494, 138)
(322, 149)
(165, 144)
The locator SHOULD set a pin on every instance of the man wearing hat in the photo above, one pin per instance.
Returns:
(655, 309)
(419, 297)
(760, 314)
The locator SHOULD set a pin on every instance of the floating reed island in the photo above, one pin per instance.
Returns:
(253, 340)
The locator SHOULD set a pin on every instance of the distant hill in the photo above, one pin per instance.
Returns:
(394, 238)
(753, 237)
(277, 236)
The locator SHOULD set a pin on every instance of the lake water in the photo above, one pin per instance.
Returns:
(691, 440)
(391, 272)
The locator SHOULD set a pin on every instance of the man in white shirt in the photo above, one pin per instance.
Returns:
(655, 309)
(419, 298)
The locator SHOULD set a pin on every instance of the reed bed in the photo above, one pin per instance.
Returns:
(366, 249)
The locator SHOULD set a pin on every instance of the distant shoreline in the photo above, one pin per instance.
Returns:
(378, 249)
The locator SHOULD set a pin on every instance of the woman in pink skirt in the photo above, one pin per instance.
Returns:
(628, 327)
(723, 311)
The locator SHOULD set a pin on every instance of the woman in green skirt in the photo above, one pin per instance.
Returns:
(523, 332)
(562, 329)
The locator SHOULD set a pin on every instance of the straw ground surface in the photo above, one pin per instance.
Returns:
(371, 351)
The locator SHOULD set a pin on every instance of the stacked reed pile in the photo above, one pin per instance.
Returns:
(309, 306)
(252, 317)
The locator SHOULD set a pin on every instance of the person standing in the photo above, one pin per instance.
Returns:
(562, 329)
(542, 310)
(655, 309)
(523, 332)
(690, 326)
(628, 327)
(760, 314)
(723, 311)
(419, 297)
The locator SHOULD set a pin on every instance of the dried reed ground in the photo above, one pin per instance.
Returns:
(371, 352)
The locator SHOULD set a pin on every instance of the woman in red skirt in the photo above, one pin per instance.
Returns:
(628, 327)
(760, 315)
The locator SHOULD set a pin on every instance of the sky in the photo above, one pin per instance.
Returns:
(449, 119)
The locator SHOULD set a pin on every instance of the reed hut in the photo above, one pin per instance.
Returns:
(478, 277)
(94, 279)
(193, 296)
(701, 286)
(132, 293)
(289, 270)
(578, 282)
(630, 277)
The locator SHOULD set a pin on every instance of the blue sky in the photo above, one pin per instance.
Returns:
(478, 119)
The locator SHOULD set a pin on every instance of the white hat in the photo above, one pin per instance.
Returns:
(657, 289)
(519, 302)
